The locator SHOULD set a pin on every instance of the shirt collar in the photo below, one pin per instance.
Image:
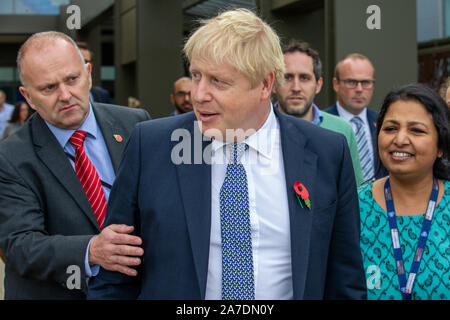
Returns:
(348, 116)
(89, 125)
(318, 117)
(262, 141)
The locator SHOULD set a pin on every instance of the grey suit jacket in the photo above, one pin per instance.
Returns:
(46, 220)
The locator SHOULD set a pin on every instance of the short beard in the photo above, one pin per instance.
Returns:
(180, 109)
(300, 113)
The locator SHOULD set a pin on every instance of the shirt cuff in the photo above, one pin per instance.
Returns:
(91, 271)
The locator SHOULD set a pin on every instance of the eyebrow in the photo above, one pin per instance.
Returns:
(75, 74)
(299, 73)
(45, 85)
(409, 123)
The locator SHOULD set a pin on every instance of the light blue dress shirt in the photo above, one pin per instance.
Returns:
(97, 152)
(318, 117)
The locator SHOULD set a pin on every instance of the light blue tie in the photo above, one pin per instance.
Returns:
(365, 156)
(237, 258)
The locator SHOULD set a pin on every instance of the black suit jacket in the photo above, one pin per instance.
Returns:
(46, 220)
(380, 170)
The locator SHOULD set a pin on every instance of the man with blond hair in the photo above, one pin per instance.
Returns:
(55, 177)
(251, 203)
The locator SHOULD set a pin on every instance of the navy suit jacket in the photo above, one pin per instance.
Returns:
(100, 95)
(170, 206)
(372, 119)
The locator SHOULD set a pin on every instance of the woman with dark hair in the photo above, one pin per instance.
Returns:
(20, 114)
(405, 217)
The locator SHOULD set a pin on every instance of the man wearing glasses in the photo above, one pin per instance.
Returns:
(181, 96)
(354, 83)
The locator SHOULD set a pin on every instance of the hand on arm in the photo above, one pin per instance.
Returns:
(116, 250)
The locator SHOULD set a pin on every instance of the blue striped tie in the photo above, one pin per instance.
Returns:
(365, 156)
(237, 258)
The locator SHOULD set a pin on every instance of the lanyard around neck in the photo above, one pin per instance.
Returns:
(406, 287)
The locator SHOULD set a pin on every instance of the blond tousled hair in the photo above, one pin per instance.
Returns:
(242, 40)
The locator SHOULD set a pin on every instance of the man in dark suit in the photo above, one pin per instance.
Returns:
(52, 208)
(353, 83)
(244, 203)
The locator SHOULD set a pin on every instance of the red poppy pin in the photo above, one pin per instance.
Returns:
(302, 194)
(118, 137)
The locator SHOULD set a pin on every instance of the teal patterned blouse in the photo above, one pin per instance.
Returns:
(433, 279)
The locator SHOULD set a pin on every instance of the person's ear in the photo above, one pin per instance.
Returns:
(335, 84)
(27, 97)
(268, 86)
(319, 85)
(89, 70)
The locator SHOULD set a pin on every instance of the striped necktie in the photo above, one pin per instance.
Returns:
(237, 258)
(365, 156)
(89, 178)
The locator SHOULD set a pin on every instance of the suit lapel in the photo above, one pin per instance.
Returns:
(195, 189)
(110, 130)
(372, 118)
(299, 165)
(333, 110)
(53, 157)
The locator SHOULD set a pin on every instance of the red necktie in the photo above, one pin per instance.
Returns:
(89, 178)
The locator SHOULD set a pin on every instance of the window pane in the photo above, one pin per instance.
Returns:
(6, 74)
(430, 18)
(446, 18)
(50, 7)
(6, 7)
(107, 73)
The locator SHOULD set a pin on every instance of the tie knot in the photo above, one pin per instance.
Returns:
(77, 138)
(236, 150)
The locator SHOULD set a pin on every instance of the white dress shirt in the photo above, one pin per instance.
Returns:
(363, 115)
(269, 214)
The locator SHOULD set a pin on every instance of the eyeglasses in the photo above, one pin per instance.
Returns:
(182, 94)
(352, 83)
